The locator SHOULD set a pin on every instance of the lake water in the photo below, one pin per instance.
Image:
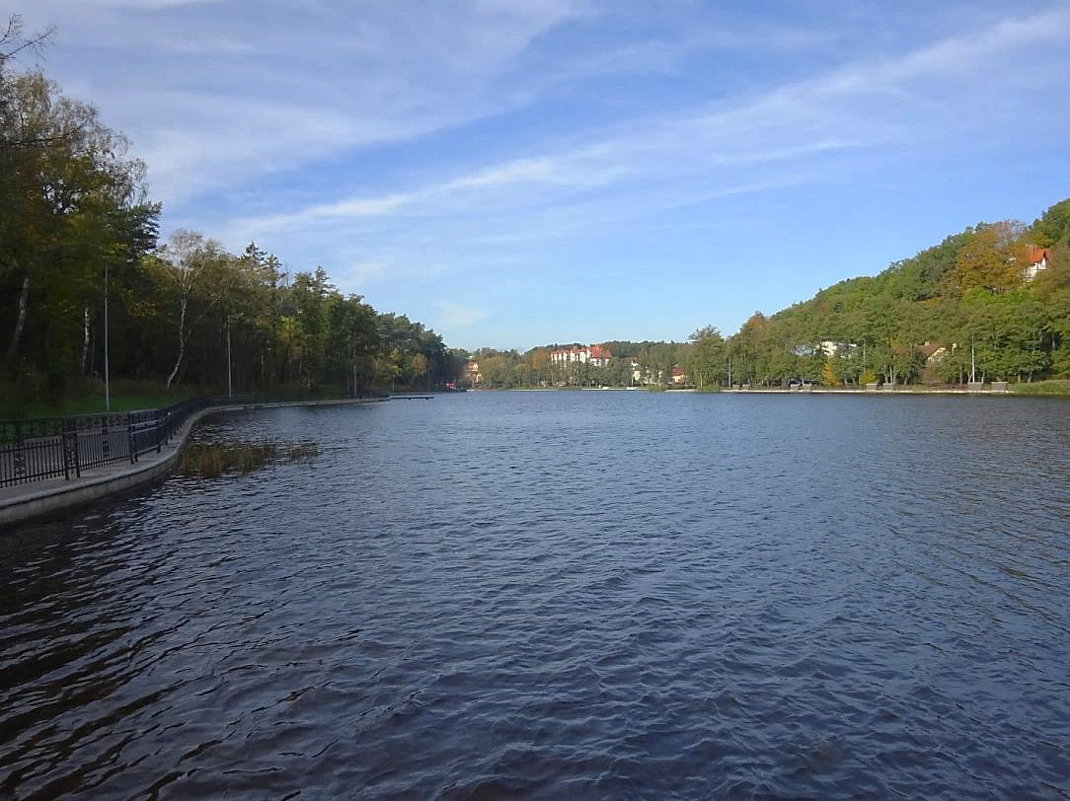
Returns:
(563, 595)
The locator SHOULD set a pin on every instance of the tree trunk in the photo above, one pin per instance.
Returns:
(20, 320)
(181, 343)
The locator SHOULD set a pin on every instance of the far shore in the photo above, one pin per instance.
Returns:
(908, 389)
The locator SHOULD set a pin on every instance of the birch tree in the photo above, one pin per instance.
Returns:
(194, 271)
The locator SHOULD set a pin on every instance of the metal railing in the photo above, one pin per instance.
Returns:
(62, 447)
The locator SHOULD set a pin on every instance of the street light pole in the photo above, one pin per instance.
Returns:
(973, 361)
(230, 379)
(230, 382)
(107, 371)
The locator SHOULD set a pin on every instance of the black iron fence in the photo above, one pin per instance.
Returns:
(62, 447)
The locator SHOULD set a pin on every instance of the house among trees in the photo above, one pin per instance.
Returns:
(472, 375)
(831, 347)
(595, 355)
(640, 375)
(1038, 259)
(935, 355)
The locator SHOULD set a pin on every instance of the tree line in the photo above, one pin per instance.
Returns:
(534, 368)
(87, 290)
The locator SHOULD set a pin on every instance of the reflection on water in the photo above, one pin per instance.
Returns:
(562, 595)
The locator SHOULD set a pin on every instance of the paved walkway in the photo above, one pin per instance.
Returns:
(23, 501)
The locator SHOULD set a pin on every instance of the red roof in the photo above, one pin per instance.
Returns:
(594, 351)
(928, 349)
(1037, 255)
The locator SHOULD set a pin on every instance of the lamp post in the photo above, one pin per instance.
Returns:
(973, 361)
(107, 372)
(230, 381)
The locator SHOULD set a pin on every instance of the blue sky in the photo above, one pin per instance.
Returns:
(518, 172)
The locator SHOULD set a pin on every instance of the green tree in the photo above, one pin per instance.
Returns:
(707, 358)
(71, 206)
(1053, 226)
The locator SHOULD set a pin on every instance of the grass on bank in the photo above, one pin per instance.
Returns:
(215, 459)
(1054, 387)
(22, 400)
(25, 399)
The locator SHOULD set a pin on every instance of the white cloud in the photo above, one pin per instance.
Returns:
(436, 219)
(520, 171)
(207, 45)
(360, 273)
(661, 161)
(476, 131)
(319, 83)
(456, 316)
(285, 85)
(148, 5)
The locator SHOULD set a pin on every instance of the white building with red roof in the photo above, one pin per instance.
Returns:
(1038, 259)
(594, 355)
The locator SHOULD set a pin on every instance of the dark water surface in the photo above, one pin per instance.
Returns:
(562, 595)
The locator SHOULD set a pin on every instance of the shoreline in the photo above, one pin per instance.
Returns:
(23, 502)
(901, 390)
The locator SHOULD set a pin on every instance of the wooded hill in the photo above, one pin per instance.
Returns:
(970, 302)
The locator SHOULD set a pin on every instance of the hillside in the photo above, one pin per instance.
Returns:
(994, 299)
(998, 293)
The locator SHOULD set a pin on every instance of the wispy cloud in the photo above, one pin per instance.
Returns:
(457, 316)
(402, 143)
(148, 5)
(363, 273)
(290, 88)
(661, 162)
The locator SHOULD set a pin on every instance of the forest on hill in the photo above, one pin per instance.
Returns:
(86, 290)
(992, 301)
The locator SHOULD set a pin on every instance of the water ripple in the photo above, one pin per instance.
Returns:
(567, 595)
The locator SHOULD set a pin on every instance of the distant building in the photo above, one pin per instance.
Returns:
(679, 377)
(471, 373)
(594, 355)
(644, 375)
(640, 375)
(1038, 259)
(832, 348)
(934, 354)
(826, 347)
